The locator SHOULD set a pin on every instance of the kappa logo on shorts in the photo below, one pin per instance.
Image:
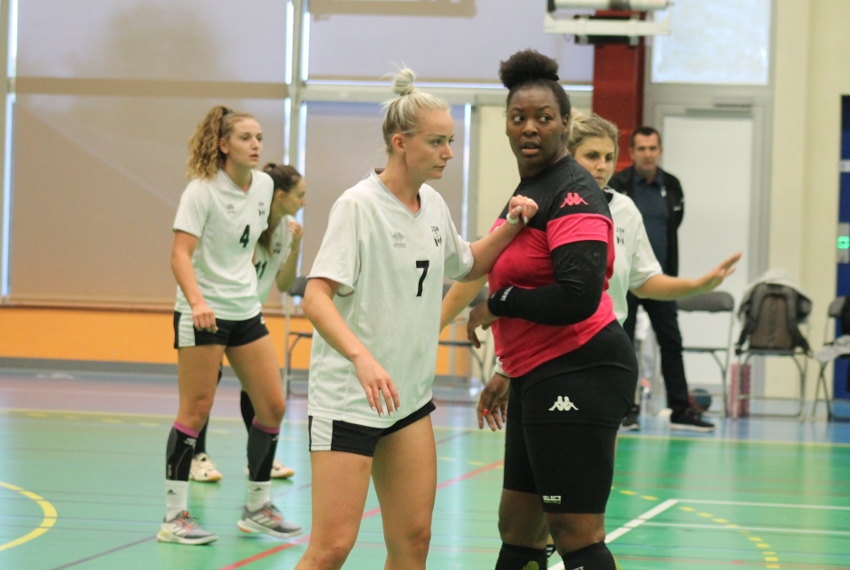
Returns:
(552, 499)
(563, 404)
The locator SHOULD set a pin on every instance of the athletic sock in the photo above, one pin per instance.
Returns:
(259, 493)
(247, 409)
(593, 557)
(201, 442)
(521, 558)
(262, 444)
(176, 498)
(178, 461)
(179, 452)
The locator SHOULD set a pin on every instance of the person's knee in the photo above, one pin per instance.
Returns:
(329, 556)
(270, 412)
(412, 543)
(574, 531)
(513, 530)
(196, 409)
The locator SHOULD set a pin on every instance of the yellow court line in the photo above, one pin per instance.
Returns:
(46, 523)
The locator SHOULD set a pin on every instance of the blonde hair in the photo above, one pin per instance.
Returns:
(205, 158)
(585, 127)
(401, 114)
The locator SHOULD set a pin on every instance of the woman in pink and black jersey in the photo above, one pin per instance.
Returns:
(572, 367)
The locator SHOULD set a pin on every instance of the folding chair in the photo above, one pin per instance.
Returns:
(292, 338)
(714, 302)
(834, 347)
(773, 324)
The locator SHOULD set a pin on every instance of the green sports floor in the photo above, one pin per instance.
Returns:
(81, 486)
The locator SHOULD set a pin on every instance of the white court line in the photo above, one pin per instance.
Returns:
(768, 505)
(645, 518)
(631, 525)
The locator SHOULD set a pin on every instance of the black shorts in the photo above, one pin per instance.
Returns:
(336, 435)
(229, 333)
(562, 424)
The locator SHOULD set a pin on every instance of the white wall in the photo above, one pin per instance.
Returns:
(811, 75)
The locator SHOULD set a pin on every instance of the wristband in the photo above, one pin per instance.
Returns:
(511, 220)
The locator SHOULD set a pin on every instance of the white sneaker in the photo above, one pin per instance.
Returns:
(281, 471)
(183, 529)
(267, 520)
(203, 469)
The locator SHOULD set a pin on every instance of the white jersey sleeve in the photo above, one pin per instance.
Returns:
(634, 261)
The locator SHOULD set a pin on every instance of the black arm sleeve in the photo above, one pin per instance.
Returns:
(579, 277)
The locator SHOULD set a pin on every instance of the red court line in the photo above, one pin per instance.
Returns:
(366, 515)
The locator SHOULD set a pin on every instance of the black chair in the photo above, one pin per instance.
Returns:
(721, 304)
(292, 338)
(834, 347)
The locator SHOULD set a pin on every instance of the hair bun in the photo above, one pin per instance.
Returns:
(403, 82)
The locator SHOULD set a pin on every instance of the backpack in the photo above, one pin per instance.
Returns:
(771, 318)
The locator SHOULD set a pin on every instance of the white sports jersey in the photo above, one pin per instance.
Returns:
(634, 261)
(267, 263)
(227, 222)
(390, 264)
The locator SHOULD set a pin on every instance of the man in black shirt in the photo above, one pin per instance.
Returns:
(658, 195)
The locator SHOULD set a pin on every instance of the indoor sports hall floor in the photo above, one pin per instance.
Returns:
(81, 470)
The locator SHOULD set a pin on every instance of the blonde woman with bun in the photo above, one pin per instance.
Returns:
(373, 296)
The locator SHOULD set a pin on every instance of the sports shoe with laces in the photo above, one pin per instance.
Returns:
(268, 520)
(690, 419)
(630, 422)
(203, 469)
(183, 529)
(281, 471)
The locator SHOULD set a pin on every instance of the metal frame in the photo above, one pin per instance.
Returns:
(714, 302)
(833, 313)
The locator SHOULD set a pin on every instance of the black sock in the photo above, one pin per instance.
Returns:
(521, 558)
(247, 409)
(593, 557)
(262, 444)
(201, 443)
(179, 452)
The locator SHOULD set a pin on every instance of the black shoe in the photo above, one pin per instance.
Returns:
(690, 419)
(630, 422)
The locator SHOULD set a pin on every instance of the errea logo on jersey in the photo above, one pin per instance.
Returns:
(573, 199)
(398, 239)
(563, 404)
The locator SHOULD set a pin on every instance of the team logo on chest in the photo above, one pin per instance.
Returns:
(621, 236)
(262, 210)
(438, 238)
